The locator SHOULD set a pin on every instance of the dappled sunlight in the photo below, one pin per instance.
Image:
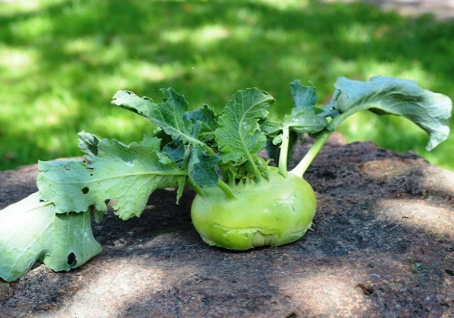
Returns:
(331, 289)
(419, 216)
(364, 126)
(415, 72)
(125, 283)
(16, 63)
(244, 33)
(299, 64)
(56, 107)
(88, 50)
(133, 73)
(286, 4)
(151, 72)
(92, 50)
(356, 33)
(34, 27)
(121, 125)
(12, 7)
(207, 35)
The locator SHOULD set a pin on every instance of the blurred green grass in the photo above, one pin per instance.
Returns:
(61, 62)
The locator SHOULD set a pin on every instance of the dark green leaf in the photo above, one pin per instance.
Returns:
(202, 168)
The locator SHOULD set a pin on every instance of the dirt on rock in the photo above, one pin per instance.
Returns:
(382, 246)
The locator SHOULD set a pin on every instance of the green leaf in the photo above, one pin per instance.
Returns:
(271, 128)
(304, 96)
(124, 174)
(202, 168)
(134, 103)
(206, 116)
(238, 135)
(305, 121)
(302, 120)
(31, 231)
(387, 95)
(170, 115)
(88, 143)
(176, 151)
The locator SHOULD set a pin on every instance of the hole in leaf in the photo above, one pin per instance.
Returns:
(449, 272)
(72, 262)
(85, 190)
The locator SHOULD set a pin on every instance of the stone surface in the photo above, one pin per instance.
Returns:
(382, 246)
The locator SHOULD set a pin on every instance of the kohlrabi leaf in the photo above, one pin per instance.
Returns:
(175, 151)
(202, 168)
(271, 128)
(305, 121)
(134, 103)
(302, 120)
(124, 174)
(168, 115)
(238, 135)
(31, 231)
(386, 95)
(206, 116)
(304, 96)
(88, 143)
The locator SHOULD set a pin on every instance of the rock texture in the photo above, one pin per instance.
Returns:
(382, 246)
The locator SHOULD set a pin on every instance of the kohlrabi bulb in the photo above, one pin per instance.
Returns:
(274, 212)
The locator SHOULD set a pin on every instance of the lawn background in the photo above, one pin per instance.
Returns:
(62, 61)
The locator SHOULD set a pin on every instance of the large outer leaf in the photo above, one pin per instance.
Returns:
(124, 174)
(238, 135)
(30, 230)
(387, 95)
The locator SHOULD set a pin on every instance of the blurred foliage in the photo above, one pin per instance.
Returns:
(61, 62)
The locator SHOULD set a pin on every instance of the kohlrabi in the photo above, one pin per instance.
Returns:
(242, 201)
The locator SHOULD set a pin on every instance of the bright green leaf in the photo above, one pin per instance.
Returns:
(238, 135)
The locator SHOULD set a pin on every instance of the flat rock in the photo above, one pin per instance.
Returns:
(382, 246)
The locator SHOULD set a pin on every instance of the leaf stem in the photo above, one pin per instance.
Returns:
(283, 154)
(302, 166)
(226, 189)
(198, 189)
(258, 176)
